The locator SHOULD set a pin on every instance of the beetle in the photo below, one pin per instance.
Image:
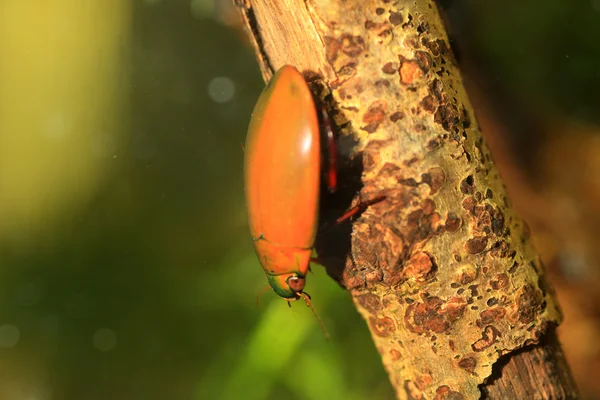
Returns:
(282, 179)
(282, 167)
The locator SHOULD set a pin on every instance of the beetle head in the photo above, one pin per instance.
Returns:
(289, 286)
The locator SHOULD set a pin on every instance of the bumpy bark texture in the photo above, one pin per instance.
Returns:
(441, 269)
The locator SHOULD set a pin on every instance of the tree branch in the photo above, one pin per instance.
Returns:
(441, 270)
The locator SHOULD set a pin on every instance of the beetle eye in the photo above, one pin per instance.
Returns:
(296, 283)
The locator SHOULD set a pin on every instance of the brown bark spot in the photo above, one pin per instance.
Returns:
(436, 89)
(410, 71)
(447, 116)
(428, 206)
(466, 185)
(381, 29)
(389, 69)
(483, 223)
(390, 171)
(395, 355)
(410, 182)
(423, 381)
(373, 276)
(433, 144)
(455, 308)
(396, 18)
(412, 391)
(489, 336)
(382, 326)
(478, 212)
(489, 194)
(397, 116)
(420, 267)
(445, 393)
(468, 364)
(473, 289)
(379, 11)
(393, 246)
(428, 104)
(352, 46)
(514, 268)
(434, 178)
(479, 196)
(497, 222)
(347, 71)
(423, 27)
(351, 279)
(433, 314)
(410, 161)
(469, 203)
(332, 47)
(436, 47)
(529, 304)
(491, 315)
(435, 221)
(362, 268)
(374, 116)
(370, 302)
(476, 245)
(500, 281)
(382, 82)
(452, 222)
(466, 274)
(420, 226)
(344, 95)
(409, 41)
(372, 154)
(424, 60)
(501, 249)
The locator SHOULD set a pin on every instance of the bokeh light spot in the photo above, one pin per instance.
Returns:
(56, 126)
(221, 89)
(9, 335)
(104, 339)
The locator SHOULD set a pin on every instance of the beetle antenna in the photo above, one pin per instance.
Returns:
(306, 298)
(260, 294)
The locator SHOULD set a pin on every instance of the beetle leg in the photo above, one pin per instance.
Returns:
(316, 260)
(328, 142)
(360, 207)
(332, 159)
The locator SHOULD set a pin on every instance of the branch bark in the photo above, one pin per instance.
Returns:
(442, 270)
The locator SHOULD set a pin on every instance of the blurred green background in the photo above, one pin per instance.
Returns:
(126, 267)
(126, 270)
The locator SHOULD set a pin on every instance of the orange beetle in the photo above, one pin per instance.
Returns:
(282, 167)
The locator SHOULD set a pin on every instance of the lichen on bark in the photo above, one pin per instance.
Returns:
(441, 269)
